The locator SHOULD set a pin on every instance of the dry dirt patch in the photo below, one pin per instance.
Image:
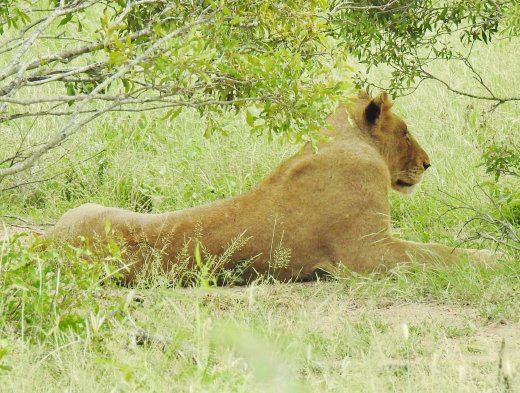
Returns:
(450, 331)
(487, 335)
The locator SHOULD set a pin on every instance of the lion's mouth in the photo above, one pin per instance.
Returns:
(402, 183)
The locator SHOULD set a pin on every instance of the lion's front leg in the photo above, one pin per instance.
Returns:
(390, 252)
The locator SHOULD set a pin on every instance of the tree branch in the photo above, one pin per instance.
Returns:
(491, 97)
(139, 108)
(74, 123)
(14, 66)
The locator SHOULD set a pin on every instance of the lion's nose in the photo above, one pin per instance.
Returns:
(426, 165)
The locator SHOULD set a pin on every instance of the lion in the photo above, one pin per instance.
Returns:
(325, 208)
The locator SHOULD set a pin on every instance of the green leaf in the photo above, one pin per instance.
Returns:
(118, 44)
(172, 113)
(116, 58)
(66, 19)
(71, 91)
(72, 322)
(127, 85)
(250, 119)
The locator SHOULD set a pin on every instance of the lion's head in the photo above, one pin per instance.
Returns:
(406, 160)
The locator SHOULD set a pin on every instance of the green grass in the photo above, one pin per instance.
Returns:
(361, 333)
(64, 327)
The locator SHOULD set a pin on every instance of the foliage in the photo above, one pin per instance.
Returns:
(271, 60)
(502, 159)
(281, 63)
(312, 338)
(409, 36)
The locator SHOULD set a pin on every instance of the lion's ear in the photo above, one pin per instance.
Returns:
(377, 105)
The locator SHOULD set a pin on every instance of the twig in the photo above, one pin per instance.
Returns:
(502, 226)
(503, 375)
(9, 216)
(61, 56)
(14, 65)
(499, 100)
(26, 183)
(499, 241)
(166, 104)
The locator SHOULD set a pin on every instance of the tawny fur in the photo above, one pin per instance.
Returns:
(328, 207)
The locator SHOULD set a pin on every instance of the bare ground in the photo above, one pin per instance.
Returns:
(452, 328)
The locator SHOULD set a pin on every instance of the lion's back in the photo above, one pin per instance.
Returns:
(83, 220)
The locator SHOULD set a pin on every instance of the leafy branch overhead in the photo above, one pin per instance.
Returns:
(410, 35)
(282, 63)
(271, 59)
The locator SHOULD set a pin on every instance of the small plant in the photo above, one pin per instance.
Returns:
(194, 264)
(502, 159)
(213, 269)
(44, 287)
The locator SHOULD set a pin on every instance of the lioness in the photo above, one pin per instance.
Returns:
(324, 208)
